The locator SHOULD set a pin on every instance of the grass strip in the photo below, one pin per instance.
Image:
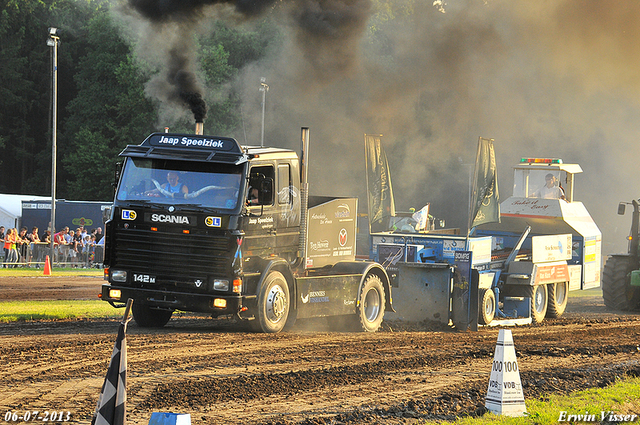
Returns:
(56, 271)
(621, 399)
(14, 311)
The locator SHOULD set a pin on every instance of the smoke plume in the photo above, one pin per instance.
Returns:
(327, 32)
(545, 79)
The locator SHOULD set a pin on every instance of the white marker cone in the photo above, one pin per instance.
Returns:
(504, 395)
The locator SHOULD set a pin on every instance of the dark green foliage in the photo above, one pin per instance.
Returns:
(108, 112)
(102, 105)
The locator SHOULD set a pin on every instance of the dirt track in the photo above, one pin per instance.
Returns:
(224, 376)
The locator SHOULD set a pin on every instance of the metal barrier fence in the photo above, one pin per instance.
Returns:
(36, 254)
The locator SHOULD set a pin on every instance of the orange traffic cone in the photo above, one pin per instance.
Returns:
(47, 267)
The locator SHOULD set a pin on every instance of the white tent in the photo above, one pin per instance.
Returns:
(11, 208)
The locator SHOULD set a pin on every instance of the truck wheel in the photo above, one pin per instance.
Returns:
(618, 294)
(487, 310)
(539, 302)
(558, 296)
(273, 304)
(147, 317)
(370, 311)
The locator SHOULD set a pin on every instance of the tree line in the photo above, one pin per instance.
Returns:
(101, 103)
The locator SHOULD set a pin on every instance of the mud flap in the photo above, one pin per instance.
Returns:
(464, 297)
(460, 314)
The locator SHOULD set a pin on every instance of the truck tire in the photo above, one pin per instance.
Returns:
(558, 294)
(487, 310)
(618, 294)
(147, 317)
(274, 304)
(370, 311)
(539, 302)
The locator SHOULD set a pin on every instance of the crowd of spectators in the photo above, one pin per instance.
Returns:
(78, 247)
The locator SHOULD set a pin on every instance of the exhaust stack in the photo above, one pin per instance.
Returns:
(199, 128)
(304, 195)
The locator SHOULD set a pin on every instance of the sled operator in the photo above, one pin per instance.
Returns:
(551, 190)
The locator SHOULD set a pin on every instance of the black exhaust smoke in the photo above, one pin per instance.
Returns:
(327, 32)
(186, 87)
(179, 10)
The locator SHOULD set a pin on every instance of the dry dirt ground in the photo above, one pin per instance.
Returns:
(221, 375)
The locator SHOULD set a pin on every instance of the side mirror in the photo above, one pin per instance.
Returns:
(116, 174)
(621, 208)
(265, 194)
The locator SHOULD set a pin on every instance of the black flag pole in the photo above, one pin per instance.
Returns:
(111, 408)
(127, 312)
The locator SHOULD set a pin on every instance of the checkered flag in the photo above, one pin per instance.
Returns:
(111, 409)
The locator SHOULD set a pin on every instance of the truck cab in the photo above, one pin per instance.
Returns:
(204, 224)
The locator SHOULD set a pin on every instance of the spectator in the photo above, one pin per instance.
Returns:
(46, 236)
(88, 249)
(98, 234)
(77, 245)
(4, 252)
(33, 236)
(68, 236)
(34, 241)
(59, 240)
(98, 251)
(10, 246)
(22, 245)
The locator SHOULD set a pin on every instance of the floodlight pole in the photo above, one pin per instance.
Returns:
(53, 41)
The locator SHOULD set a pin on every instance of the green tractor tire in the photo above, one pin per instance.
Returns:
(617, 292)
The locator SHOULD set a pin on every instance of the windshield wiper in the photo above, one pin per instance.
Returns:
(146, 203)
(197, 209)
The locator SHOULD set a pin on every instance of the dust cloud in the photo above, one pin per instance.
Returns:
(546, 79)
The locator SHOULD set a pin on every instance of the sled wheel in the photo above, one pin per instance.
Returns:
(487, 310)
(539, 301)
(558, 296)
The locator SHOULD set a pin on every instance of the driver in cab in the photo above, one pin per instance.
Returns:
(551, 189)
(173, 186)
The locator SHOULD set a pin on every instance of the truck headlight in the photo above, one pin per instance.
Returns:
(116, 294)
(220, 285)
(118, 275)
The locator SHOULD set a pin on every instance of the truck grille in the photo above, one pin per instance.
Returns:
(171, 256)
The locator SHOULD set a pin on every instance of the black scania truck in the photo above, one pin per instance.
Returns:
(203, 224)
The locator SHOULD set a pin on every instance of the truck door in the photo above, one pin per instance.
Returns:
(261, 226)
(288, 207)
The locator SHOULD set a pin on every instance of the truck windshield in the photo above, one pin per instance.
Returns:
(173, 182)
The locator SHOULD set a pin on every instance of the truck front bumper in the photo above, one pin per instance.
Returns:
(216, 304)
